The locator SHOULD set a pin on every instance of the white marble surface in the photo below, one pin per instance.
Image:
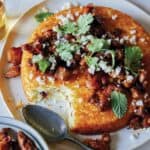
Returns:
(143, 4)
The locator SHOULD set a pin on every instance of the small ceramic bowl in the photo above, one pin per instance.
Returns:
(29, 131)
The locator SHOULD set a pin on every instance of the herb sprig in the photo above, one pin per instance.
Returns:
(133, 56)
(82, 25)
(119, 103)
(84, 22)
(66, 50)
(42, 15)
(97, 45)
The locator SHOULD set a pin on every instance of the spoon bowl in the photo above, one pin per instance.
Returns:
(49, 124)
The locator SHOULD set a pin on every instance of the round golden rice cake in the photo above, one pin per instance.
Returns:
(84, 117)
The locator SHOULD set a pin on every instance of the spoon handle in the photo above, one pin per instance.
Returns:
(74, 140)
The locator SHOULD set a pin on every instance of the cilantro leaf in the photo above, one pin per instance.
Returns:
(97, 45)
(42, 15)
(104, 66)
(66, 46)
(133, 56)
(68, 28)
(37, 58)
(119, 103)
(84, 39)
(81, 27)
(92, 63)
(43, 65)
(65, 50)
(84, 22)
(66, 56)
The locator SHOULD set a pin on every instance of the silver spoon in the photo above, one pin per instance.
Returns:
(49, 124)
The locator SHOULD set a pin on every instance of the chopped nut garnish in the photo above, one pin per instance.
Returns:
(146, 122)
(11, 140)
(142, 76)
(25, 142)
(134, 93)
(103, 143)
(13, 71)
(14, 55)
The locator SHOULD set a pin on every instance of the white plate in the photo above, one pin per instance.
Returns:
(12, 92)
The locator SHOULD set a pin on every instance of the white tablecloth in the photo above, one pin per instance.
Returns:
(143, 4)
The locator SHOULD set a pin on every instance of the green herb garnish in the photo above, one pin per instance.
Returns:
(37, 58)
(42, 15)
(68, 28)
(65, 50)
(97, 45)
(84, 22)
(119, 103)
(66, 56)
(84, 39)
(82, 25)
(43, 65)
(133, 57)
(112, 53)
(92, 63)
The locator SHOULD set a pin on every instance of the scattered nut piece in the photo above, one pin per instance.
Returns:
(14, 55)
(103, 143)
(146, 122)
(12, 140)
(142, 76)
(134, 93)
(13, 71)
(25, 142)
(127, 84)
(135, 123)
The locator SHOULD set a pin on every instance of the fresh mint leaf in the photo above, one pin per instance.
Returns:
(97, 45)
(133, 57)
(43, 65)
(119, 103)
(42, 15)
(84, 22)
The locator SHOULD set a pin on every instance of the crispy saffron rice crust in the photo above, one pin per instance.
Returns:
(84, 117)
